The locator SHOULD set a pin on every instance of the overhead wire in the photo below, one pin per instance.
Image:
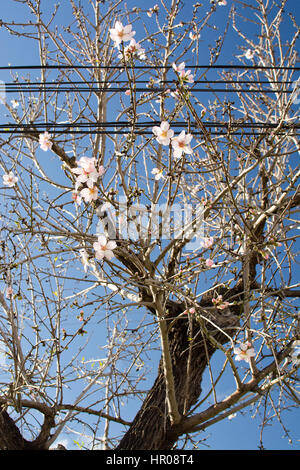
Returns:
(150, 67)
(97, 86)
(141, 128)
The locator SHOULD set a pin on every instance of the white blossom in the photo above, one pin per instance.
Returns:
(104, 248)
(244, 352)
(90, 193)
(158, 173)
(10, 179)
(121, 33)
(163, 133)
(249, 54)
(45, 142)
(181, 144)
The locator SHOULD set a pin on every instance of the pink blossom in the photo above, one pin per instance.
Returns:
(223, 305)
(134, 49)
(190, 310)
(244, 352)
(45, 142)
(264, 255)
(90, 193)
(209, 263)
(220, 303)
(76, 197)
(181, 144)
(179, 68)
(10, 179)
(87, 171)
(104, 248)
(9, 292)
(274, 242)
(163, 133)
(87, 163)
(121, 33)
(101, 170)
(186, 76)
(84, 176)
(127, 92)
(81, 317)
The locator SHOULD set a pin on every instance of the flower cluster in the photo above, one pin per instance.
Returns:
(181, 143)
(88, 174)
(191, 310)
(220, 303)
(244, 352)
(134, 49)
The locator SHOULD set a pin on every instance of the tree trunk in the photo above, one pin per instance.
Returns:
(12, 439)
(151, 428)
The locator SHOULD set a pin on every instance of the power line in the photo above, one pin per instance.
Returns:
(143, 67)
(109, 82)
(149, 124)
(41, 88)
(17, 85)
(141, 128)
(97, 86)
(121, 132)
(66, 87)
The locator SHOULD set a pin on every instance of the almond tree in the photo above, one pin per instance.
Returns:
(148, 231)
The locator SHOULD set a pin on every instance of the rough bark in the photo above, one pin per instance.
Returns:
(12, 439)
(151, 429)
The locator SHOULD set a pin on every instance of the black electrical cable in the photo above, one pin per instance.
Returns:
(119, 132)
(141, 128)
(148, 124)
(143, 67)
(109, 82)
(41, 88)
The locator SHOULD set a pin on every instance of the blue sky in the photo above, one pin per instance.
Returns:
(240, 432)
